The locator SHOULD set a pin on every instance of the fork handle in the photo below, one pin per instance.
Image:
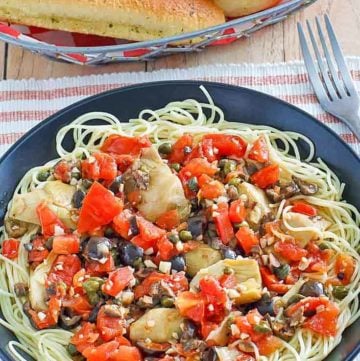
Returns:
(353, 122)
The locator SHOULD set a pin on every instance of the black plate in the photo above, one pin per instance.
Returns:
(239, 104)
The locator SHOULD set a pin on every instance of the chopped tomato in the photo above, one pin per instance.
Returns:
(62, 171)
(204, 149)
(126, 353)
(118, 280)
(237, 211)
(48, 318)
(228, 281)
(319, 259)
(79, 304)
(207, 327)
(102, 352)
(344, 268)
(78, 279)
(99, 166)
(266, 177)
(259, 151)
(95, 268)
(290, 251)
(212, 190)
(38, 252)
(10, 248)
(212, 291)
(149, 234)
(166, 249)
(64, 268)
(109, 326)
(48, 220)
(85, 337)
(224, 227)
(198, 166)
(123, 161)
(120, 144)
(169, 220)
(178, 154)
(227, 145)
(123, 341)
(99, 208)
(272, 282)
(121, 223)
(269, 344)
(246, 239)
(244, 357)
(191, 305)
(304, 208)
(66, 244)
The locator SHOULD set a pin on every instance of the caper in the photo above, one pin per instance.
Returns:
(72, 350)
(323, 246)
(234, 181)
(295, 299)
(173, 238)
(93, 297)
(340, 292)
(193, 184)
(185, 236)
(43, 175)
(262, 327)
(109, 232)
(86, 183)
(175, 166)
(228, 271)
(167, 302)
(282, 271)
(165, 148)
(93, 284)
(229, 167)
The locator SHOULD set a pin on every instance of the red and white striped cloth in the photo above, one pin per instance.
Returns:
(24, 103)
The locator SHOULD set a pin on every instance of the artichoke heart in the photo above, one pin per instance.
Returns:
(246, 272)
(159, 325)
(161, 192)
(56, 194)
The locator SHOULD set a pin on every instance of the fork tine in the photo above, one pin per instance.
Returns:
(339, 57)
(311, 68)
(334, 73)
(323, 70)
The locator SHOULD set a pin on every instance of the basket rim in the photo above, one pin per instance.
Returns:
(45, 47)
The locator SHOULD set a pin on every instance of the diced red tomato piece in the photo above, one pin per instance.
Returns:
(149, 234)
(51, 315)
(120, 144)
(85, 337)
(121, 223)
(259, 151)
(10, 248)
(269, 344)
(224, 227)
(99, 208)
(169, 220)
(99, 166)
(109, 327)
(102, 352)
(126, 353)
(228, 281)
(198, 166)
(304, 208)
(212, 190)
(64, 268)
(245, 357)
(123, 161)
(38, 252)
(95, 268)
(272, 282)
(266, 177)
(79, 304)
(237, 211)
(66, 244)
(123, 341)
(212, 291)
(191, 305)
(319, 259)
(166, 249)
(344, 268)
(247, 239)
(117, 281)
(48, 220)
(228, 145)
(204, 149)
(177, 154)
(290, 250)
(62, 171)
(207, 327)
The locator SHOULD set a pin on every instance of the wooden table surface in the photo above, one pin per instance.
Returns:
(272, 44)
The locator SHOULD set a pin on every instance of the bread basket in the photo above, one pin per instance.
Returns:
(94, 50)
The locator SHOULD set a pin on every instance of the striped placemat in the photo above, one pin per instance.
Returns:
(24, 103)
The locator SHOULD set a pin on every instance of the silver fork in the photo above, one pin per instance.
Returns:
(332, 83)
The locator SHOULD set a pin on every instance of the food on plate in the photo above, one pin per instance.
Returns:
(124, 19)
(235, 8)
(178, 236)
